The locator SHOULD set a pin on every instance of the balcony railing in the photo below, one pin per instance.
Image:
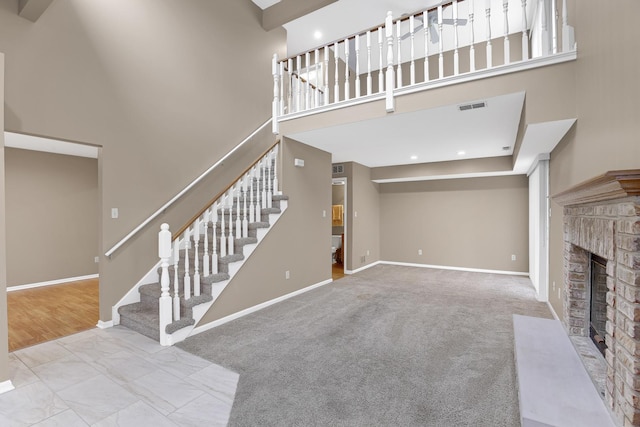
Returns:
(431, 47)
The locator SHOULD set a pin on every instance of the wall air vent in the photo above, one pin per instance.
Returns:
(472, 106)
(337, 169)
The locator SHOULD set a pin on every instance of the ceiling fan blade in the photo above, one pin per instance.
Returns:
(408, 33)
(433, 34)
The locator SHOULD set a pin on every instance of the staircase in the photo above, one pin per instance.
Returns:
(203, 259)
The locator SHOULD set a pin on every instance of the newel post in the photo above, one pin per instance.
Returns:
(164, 253)
(276, 93)
(388, 26)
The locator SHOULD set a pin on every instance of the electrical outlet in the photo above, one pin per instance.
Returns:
(419, 251)
(554, 285)
(324, 213)
(96, 259)
(368, 252)
(513, 257)
(114, 213)
(559, 296)
(287, 275)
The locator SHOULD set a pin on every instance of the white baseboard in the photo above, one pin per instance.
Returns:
(446, 267)
(105, 325)
(357, 270)
(555, 315)
(255, 308)
(51, 282)
(6, 386)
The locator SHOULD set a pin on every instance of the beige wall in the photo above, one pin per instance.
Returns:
(363, 210)
(472, 223)
(51, 216)
(300, 242)
(164, 87)
(607, 133)
(4, 335)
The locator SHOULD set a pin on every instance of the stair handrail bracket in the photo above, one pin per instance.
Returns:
(304, 83)
(201, 260)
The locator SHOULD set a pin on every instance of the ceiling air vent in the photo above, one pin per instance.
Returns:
(472, 106)
(338, 169)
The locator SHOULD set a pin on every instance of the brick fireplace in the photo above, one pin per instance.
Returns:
(602, 219)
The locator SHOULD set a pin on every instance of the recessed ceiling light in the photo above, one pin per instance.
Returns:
(461, 153)
(317, 35)
(414, 157)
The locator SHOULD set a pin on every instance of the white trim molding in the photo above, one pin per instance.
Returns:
(51, 282)
(358, 270)
(446, 267)
(104, 325)
(255, 308)
(6, 386)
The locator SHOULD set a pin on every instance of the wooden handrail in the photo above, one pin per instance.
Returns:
(375, 28)
(183, 192)
(220, 194)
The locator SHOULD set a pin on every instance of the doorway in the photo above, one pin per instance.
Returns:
(338, 227)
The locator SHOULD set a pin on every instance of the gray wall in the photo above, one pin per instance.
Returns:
(4, 334)
(472, 223)
(51, 216)
(606, 134)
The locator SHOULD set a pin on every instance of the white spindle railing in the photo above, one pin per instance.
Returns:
(244, 200)
(448, 27)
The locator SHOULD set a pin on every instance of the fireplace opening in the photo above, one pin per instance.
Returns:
(598, 302)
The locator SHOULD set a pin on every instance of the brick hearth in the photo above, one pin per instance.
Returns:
(602, 216)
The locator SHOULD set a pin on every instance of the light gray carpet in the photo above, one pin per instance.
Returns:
(390, 346)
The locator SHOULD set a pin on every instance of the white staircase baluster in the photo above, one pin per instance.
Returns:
(380, 74)
(507, 47)
(275, 108)
(281, 72)
(369, 81)
(164, 304)
(357, 66)
(399, 53)
(554, 26)
(390, 77)
(347, 95)
(245, 223)
(230, 238)
(307, 83)
(263, 185)
(251, 204)
(205, 256)
(176, 283)
(525, 32)
(290, 108)
(268, 182)
(425, 20)
(325, 97)
(214, 240)
(257, 206)
(187, 277)
(472, 49)
(223, 238)
(440, 44)
(456, 58)
(276, 184)
(238, 220)
(336, 79)
(412, 69)
(489, 47)
(196, 260)
(299, 83)
(316, 90)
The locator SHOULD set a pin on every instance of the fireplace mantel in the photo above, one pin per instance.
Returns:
(609, 186)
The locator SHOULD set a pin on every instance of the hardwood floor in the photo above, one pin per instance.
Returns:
(337, 271)
(42, 314)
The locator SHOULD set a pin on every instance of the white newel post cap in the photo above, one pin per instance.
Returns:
(164, 241)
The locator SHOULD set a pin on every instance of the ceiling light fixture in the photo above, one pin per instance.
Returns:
(317, 35)
(414, 157)
(461, 153)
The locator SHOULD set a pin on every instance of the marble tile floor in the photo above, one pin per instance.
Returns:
(114, 377)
